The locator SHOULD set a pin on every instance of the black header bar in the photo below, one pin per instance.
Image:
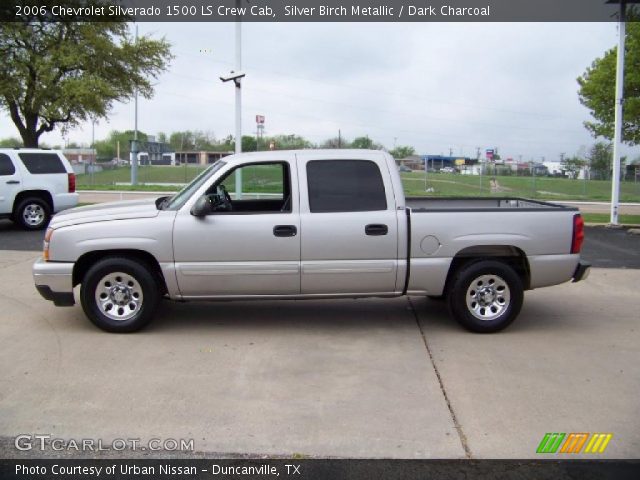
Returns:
(312, 10)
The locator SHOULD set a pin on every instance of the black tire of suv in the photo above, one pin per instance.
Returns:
(471, 279)
(32, 202)
(140, 273)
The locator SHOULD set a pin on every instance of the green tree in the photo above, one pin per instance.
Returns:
(335, 142)
(10, 142)
(401, 152)
(600, 156)
(362, 142)
(248, 143)
(574, 165)
(108, 148)
(597, 90)
(58, 74)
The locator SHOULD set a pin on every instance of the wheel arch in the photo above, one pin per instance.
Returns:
(508, 254)
(41, 194)
(87, 260)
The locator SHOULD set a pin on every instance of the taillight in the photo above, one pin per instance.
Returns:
(578, 233)
(72, 183)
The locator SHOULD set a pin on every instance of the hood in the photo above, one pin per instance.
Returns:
(104, 212)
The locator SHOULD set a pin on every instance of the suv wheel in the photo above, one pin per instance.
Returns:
(119, 295)
(32, 213)
(486, 296)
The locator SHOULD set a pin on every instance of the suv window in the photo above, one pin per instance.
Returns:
(345, 186)
(6, 165)
(40, 162)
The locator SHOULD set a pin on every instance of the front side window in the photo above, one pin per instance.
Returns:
(42, 162)
(6, 165)
(266, 188)
(345, 186)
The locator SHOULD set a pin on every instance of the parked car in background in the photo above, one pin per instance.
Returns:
(448, 170)
(34, 184)
(307, 224)
(404, 169)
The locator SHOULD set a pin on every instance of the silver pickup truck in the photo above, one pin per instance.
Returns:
(307, 224)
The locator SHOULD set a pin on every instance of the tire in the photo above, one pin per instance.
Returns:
(32, 213)
(119, 295)
(485, 296)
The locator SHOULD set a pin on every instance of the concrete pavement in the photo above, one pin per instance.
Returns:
(348, 378)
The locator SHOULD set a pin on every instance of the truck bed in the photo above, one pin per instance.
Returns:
(430, 204)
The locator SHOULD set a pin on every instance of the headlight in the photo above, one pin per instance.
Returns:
(45, 245)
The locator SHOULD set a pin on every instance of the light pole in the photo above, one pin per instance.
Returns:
(236, 75)
(618, 120)
(134, 144)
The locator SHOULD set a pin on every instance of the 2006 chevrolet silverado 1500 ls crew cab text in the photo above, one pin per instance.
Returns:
(307, 224)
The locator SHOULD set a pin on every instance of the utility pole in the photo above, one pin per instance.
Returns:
(238, 84)
(617, 130)
(339, 139)
(134, 144)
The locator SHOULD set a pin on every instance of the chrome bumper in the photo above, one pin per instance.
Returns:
(54, 281)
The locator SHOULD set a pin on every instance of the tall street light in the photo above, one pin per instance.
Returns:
(618, 120)
(236, 75)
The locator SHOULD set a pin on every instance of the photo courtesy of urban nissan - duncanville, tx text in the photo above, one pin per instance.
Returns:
(307, 224)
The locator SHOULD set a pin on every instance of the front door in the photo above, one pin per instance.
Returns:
(250, 246)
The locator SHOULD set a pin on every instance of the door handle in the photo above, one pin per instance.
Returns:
(376, 229)
(13, 182)
(285, 230)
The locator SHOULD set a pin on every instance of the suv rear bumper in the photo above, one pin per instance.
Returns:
(582, 271)
(54, 281)
(63, 201)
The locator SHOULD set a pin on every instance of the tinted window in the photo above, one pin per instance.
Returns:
(345, 186)
(6, 165)
(42, 162)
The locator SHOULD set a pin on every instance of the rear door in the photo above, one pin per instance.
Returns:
(9, 183)
(47, 170)
(349, 241)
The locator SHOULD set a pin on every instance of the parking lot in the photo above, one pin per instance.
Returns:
(340, 378)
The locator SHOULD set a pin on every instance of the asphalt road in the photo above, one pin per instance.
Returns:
(603, 247)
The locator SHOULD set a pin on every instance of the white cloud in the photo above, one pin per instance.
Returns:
(431, 85)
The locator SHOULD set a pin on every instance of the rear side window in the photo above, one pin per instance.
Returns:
(6, 165)
(40, 162)
(345, 186)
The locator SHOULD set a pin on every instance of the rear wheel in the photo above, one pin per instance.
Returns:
(32, 213)
(119, 295)
(486, 296)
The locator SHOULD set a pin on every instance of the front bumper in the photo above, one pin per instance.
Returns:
(54, 281)
(582, 271)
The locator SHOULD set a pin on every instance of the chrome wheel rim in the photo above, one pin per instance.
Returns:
(119, 296)
(488, 296)
(33, 214)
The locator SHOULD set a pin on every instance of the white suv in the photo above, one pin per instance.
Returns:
(34, 184)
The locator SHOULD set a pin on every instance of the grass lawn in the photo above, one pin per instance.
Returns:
(440, 184)
(605, 217)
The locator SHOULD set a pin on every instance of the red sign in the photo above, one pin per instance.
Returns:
(260, 119)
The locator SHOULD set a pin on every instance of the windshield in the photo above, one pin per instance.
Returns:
(179, 199)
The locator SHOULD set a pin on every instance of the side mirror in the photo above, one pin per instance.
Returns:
(202, 207)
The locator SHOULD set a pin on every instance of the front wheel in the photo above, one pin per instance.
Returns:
(486, 296)
(119, 295)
